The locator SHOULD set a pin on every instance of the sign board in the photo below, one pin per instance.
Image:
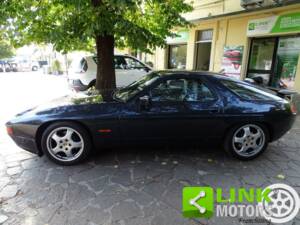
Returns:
(182, 37)
(232, 61)
(275, 24)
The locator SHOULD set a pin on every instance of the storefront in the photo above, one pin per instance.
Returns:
(274, 55)
(263, 43)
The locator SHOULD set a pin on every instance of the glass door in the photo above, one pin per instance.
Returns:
(286, 62)
(262, 56)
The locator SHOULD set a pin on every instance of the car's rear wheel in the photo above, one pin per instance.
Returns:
(66, 143)
(247, 141)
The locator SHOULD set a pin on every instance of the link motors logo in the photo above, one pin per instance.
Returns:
(277, 203)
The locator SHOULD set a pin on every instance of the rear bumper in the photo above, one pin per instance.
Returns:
(77, 85)
(282, 126)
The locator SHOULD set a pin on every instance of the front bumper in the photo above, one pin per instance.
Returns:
(77, 85)
(28, 144)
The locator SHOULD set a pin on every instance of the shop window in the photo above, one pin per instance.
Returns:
(177, 56)
(274, 60)
(286, 62)
(203, 49)
(262, 58)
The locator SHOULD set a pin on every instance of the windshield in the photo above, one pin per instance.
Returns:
(132, 89)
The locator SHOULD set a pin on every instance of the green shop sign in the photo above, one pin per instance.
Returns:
(181, 37)
(275, 24)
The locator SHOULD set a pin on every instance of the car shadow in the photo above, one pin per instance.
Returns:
(167, 152)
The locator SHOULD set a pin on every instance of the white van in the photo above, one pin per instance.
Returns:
(82, 73)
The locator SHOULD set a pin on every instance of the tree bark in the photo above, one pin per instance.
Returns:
(105, 79)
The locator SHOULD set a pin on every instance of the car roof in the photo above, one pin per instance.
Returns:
(187, 72)
(215, 75)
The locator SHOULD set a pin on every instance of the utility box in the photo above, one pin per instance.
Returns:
(251, 3)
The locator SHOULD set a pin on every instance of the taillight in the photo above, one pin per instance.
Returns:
(293, 108)
(9, 130)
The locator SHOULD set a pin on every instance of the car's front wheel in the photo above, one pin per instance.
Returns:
(247, 141)
(66, 143)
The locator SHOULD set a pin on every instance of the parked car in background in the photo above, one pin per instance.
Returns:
(164, 106)
(82, 72)
(4, 66)
(20, 65)
(43, 63)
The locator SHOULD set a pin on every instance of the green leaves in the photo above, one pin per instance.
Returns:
(73, 24)
(6, 51)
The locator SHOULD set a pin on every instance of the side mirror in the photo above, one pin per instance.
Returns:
(145, 102)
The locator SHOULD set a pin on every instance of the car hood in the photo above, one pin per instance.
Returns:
(64, 104)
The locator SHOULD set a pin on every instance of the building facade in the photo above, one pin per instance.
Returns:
(241, 38)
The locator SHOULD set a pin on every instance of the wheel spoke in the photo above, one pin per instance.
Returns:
(239, 139)
(282, 195)
(285, 207)
(69, 153)
(56, 138)
(68, 134)
(247, 131)
(243, 148)
(255, 145)
(256, 135)
(56, 150)
(76, 144)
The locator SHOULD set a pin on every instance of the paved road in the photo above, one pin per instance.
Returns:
(129, 186)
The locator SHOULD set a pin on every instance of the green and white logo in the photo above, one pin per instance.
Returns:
(277, 203)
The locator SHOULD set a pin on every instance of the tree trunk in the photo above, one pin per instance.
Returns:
(105, 79)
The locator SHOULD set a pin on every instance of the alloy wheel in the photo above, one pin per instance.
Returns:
(248, 140)
(65, 144)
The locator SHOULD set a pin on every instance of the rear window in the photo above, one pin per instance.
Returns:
(248, 92)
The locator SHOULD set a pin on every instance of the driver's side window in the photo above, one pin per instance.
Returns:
(169, 90)
(190, 90)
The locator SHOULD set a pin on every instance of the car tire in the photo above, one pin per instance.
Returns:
(34, 68)
(247, 141)
(66, 143)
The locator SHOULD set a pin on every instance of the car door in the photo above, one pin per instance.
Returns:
(162, 120)
(203, 110)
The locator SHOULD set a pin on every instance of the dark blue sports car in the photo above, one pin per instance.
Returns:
(162, 106)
